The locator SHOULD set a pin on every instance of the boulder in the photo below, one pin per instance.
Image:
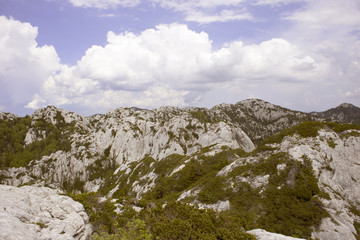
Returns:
(31, 212)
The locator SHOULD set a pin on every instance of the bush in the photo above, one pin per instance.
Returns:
(14, 153)
(134, 230)
(181, 221)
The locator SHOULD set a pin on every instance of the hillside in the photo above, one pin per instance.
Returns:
(346, 113)
(257, 165)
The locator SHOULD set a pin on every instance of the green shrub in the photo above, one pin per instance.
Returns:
(101, 214)
(202, 116)
(134, 230)
(14, 153)
(181, 221)
(213, 190)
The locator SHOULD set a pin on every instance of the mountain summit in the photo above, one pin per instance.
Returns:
(345, 112)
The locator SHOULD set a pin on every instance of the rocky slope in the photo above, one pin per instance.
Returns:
(346, 113)
(126, 135)
(282, 166)
(40, 213)
(335, 159)
(118, 138)
(210, 158)
(260, 119)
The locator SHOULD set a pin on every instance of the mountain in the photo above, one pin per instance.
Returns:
(346, 113)
(260, 119)
(256, 164)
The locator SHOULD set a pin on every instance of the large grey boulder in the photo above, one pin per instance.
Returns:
(30, 212)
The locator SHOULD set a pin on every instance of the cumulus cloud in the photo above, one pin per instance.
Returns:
(272, 59)
(329, 32)
(104, 4)
(24, 66)
(169, 65)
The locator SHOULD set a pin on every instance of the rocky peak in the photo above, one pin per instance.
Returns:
(345, 112)
(8, 116)
(260, 119)
(346, 105)
(54, 115)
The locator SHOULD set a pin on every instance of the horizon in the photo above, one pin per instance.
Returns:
(155, 108)
(97, 55)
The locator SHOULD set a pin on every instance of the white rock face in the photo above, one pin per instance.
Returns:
(40, 213)
(261, 234)
(128, 135)
(336, 162)
(219, 206)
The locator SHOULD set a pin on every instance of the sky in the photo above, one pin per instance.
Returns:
(92, 56)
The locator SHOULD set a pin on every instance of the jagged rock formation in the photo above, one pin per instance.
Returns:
(40, 213)
(8, 116)
(124, 136)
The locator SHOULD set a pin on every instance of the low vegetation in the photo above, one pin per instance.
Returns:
(49, 138)
(288, 204)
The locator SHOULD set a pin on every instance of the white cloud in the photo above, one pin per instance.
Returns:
(276, 2)
(322, 15)
(273, 59)
(353, 93)
(169, 65)
(201, 11)
(104, 4)
(181, 5)
(329, 31)
(221, 16)
(205, 11)
(24, 66)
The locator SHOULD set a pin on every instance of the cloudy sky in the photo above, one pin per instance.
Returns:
(91, 56)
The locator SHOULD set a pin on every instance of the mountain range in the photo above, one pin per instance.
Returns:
(255, 164)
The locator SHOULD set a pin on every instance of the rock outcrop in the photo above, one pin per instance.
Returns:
(261, 234)
(39, 213)
(336, 162)
(122, 136)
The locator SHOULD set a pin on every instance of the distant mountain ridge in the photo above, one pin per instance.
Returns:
(346, 113)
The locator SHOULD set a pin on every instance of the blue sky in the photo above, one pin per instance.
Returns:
(92, 56)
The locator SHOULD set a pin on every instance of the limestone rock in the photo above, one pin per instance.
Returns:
(336, 161)
(32, 212)
(261, 234)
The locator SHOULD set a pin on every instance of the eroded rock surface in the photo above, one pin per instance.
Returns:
(261, 234)
(36, 213)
